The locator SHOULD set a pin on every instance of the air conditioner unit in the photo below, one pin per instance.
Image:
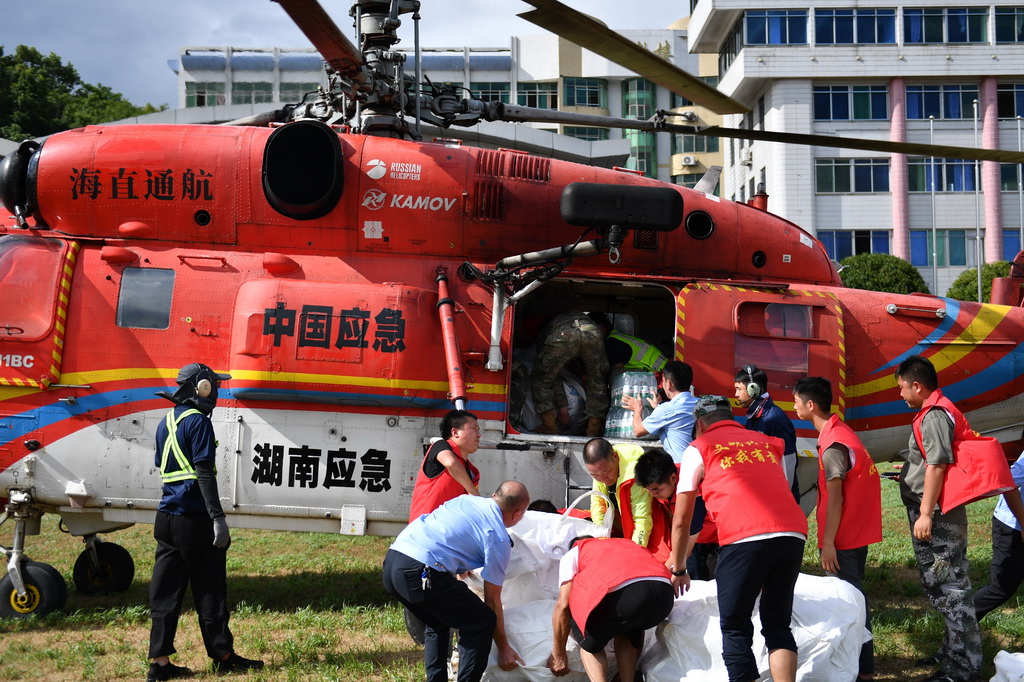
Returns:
(746, 157)
(688, 160)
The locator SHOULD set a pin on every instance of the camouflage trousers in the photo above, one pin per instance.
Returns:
(565, 341)
(942, 563)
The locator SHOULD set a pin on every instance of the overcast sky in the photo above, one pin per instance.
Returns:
(125, 44)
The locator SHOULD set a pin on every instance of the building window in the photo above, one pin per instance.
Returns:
(730, 48)
(585, 92)
(585, 133)
(944, 175)
(637, 98)
(1010, 100)
(945, 25)
(295, 92)
(492, 91)
(1009, 24)
(680, 101)
(252, 93)
(776, 27)
(854, 26)
(1010, 176)
(538, 95)
(951, 248)
(1011, 244)
(693, 144)
(851, 175)
(641, 153)
(840, 244)
(941, 101)
(204, 94)
(851, 102)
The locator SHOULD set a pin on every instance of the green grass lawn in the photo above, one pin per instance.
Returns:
(313, 607)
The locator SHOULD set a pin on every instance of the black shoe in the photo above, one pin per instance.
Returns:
(927, 662)
(167, 672)
(235, 663)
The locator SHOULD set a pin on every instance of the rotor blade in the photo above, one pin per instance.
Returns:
(345, 58)
(592, 35)
(519, 114)
(914, 148)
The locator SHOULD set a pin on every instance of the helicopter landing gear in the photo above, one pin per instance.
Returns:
(29, 588)
(103, 567)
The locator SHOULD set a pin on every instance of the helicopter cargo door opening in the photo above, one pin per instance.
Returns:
(644, 311)
(35, 281)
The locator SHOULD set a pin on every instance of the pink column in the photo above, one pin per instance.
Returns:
(898, 183)
(990, 184)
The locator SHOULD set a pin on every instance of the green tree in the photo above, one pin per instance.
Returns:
(41, 95)
(965, 287)
(882, 272)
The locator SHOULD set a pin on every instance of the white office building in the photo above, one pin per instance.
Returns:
(538, 71)
(877, 70)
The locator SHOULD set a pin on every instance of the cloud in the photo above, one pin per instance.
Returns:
(126, 45)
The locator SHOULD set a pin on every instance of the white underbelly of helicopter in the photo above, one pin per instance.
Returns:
(276, 469)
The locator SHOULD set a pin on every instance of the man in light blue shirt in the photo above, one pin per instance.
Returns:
(421, 569)
(671, 421)
(1007, 569)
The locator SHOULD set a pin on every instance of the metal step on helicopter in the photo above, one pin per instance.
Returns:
(354, 307)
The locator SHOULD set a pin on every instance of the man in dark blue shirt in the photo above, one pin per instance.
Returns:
(191, 531)
(764, 416)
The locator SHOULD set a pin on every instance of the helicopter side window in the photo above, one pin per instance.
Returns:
(29, 270)
(145, 298)
(775, 337)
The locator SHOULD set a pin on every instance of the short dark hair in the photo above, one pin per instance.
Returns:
(597, 450)
(455, 419)
(572, 543)
(542, 506)
(758, 376)
(816, 389)
(919, 369)
(654, 467)
(679, 374)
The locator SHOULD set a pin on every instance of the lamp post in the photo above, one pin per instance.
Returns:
(935, 241)
(977, 205)
(1020, 190)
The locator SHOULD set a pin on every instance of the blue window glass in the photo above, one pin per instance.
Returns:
(919, 251)
(1011, 244)
(1009, 24)
(844, 245)
(828, 240)
(879, 241)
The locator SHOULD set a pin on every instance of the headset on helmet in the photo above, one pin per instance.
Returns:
(753, 388)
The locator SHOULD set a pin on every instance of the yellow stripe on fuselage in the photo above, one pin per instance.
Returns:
(132, 374)
(976, 332)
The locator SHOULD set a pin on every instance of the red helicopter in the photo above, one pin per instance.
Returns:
(358, 282)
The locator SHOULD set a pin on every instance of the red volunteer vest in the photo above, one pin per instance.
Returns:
(860, 522)
(431, 493)
(979, 469)
(659, 542)
(603, 564)
(744, 486)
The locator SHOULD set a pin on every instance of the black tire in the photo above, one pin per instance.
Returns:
(46, 592)
(117, 569)
(415, 627)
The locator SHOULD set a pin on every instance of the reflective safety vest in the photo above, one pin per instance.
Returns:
(183, 471)
(645, 358)
(860, 520)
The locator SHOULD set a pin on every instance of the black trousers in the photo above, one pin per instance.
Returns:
(185, 556)
(851, 569)
(446, 605)
(768, 568)
(1006, 572)
(629, 611)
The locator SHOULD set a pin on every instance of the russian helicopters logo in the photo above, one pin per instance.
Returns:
(376, 169)
(374, 200)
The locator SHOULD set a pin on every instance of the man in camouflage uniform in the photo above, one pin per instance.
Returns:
(567, 337)
(939, 540)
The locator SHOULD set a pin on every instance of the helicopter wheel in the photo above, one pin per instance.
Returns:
(45, 589)
(115, 574)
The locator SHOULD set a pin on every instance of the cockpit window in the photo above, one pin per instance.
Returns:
(145, 298)
(29, 271)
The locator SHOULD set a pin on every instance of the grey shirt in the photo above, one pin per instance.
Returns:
(937, 438)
